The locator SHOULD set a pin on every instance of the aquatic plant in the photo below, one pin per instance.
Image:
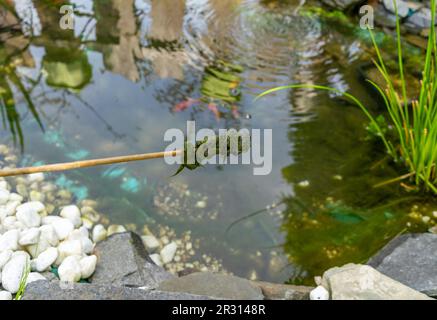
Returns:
(414, 122)
(211, 146)
(331, 233)
(8, 109)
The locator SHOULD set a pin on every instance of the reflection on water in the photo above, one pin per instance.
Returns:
(64, 63)
(117, 37)
(13, 52)
(132, 69)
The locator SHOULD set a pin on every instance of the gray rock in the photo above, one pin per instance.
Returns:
(421, 18)
(274, 291)
(383, 17)
(402, 7)
(215, 285)
(410, 259)
(45, 290)
(50, 276)
(362, 282)
(342, 4)
(122, 260)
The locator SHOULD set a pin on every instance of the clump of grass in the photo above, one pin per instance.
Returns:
(23, 282)
(415, 123)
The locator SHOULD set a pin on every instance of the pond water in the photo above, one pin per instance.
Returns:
(132, 69)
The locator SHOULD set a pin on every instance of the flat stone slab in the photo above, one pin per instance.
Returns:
(46, 290)
(215, 285)
(362, 282)
(122, 260)
(412, 260)
(274, 291)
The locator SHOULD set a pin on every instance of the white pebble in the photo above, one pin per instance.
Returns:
(72, 213)
(15, 197)
(91, 214)
(4, 196)
(112, 229)
(83, 236)
(9, 222)
(9, 240)
(4, 149)
(29, 236)
(36, 196)
(99, 233)
(151, 243)
(84, 231)
(165, 240)
(4, 185)
(87, 245)
(21, 190)
(156, 258)
(46, 259)
(13, 272)
(426, 219)
(36, 249)
(34, 276)
(70, 270)
(68, 248)
(20, 253)
(48, 233)
(62, 226)
(304, 184)
(32, 205)
(4, 257)
(87, 223)
(168, 252)
(3, 213)
(319, 293)
(201, 204)
(11, 207)
(78, 233)
(35, 177)
(5, 295)
(87, 266)
(49, 220)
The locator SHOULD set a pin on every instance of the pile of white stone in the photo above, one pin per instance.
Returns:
(30, 239)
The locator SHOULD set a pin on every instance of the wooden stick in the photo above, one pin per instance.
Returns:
(87, 163)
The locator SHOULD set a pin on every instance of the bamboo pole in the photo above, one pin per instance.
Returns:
(87, 163)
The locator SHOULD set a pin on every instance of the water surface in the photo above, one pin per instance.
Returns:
(132, 69)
